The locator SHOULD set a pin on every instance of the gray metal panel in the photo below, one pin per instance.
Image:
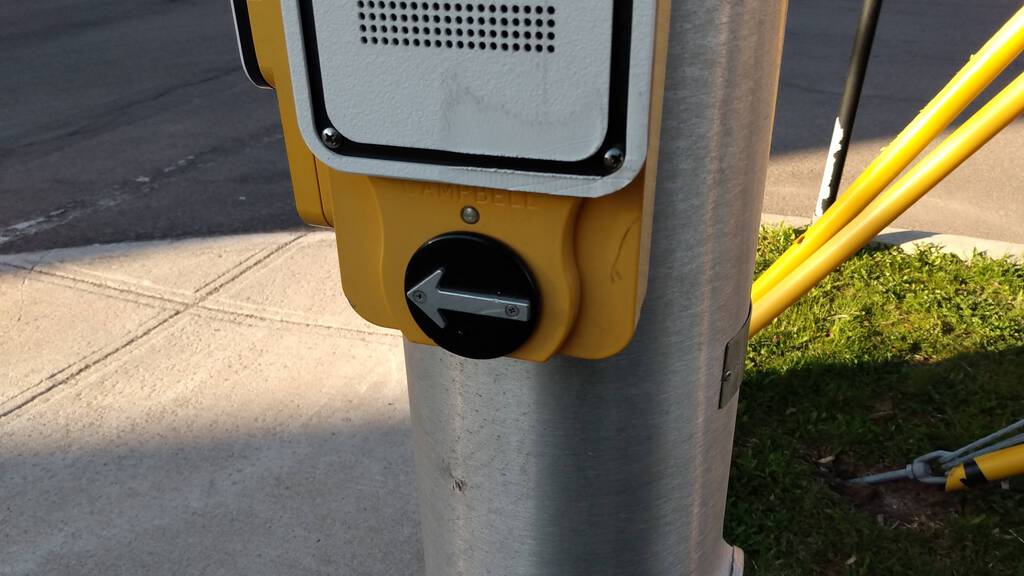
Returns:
(637, 124)
(550, 102)
(620, 467)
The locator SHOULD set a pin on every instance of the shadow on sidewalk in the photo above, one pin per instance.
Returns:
(85, 493)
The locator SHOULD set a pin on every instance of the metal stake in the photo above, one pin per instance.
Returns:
(843, 129)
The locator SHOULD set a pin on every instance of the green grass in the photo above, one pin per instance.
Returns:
(892, 356)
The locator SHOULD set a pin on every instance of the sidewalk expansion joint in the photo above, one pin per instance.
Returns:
(207, 291)
(238, 316)
(107, 289)
(82, 369)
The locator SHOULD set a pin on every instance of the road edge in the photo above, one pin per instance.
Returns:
(911, 241)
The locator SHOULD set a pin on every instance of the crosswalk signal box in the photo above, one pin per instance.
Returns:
(488, 167)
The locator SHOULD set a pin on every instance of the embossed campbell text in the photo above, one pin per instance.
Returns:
(468, 195)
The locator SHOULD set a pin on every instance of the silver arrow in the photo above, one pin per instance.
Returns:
(429, 297)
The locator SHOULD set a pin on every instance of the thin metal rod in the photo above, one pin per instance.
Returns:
(1008, 443)
(843, 129)
(883, 477)
(1018, 425)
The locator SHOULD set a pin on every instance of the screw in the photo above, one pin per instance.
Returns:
(512, 311)
(727, 376)
(614, 157)
(419, 296)
(331, 138)
(470, 215)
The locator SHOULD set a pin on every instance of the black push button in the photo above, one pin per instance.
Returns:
(472, 295)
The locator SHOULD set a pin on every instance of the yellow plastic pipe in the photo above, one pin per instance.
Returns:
(938, 164)
(968, 83)
(1000, 465)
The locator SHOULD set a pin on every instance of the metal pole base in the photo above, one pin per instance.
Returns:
(571, 467)
(737, 562)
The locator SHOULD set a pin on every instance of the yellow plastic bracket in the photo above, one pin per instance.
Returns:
(268, 35)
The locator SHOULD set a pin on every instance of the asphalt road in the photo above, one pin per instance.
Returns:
(129, 120)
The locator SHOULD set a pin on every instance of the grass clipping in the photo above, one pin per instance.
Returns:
(892, 356)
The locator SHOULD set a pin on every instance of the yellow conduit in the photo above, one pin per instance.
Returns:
(938, 164)
(972, 79)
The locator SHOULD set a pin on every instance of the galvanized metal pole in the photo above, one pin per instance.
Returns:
(620, 467)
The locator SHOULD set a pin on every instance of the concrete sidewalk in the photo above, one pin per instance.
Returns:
(207, 406)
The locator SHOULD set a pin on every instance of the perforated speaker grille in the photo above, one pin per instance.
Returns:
(458, 25)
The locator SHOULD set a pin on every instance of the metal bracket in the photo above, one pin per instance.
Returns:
(732, 369)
